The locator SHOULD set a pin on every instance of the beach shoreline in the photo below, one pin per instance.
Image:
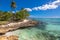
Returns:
(16, 25)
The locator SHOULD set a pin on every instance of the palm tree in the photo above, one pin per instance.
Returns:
(22, 14)
(13, 6)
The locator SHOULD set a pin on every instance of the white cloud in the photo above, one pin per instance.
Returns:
(52, 5)
(28, 9)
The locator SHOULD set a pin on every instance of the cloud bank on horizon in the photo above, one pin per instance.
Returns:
(51, 5)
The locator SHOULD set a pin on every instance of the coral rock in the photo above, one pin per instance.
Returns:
(13, 37)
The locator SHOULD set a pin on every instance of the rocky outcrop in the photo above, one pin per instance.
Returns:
(6, 28)
(13, 26)
(12, 37)
(3, 38)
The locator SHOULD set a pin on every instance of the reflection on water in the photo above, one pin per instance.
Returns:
(47, 29)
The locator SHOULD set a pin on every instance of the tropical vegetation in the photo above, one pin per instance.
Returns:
(9, 16)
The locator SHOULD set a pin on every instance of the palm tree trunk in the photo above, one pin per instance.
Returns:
(13, 9)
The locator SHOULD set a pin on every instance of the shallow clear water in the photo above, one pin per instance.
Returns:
(48, 29)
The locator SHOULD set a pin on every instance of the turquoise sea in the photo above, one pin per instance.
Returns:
(47, 29)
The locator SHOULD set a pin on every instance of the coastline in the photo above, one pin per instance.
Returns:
(7, 30)
(16, 25)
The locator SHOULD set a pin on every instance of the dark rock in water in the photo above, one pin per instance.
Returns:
(41, 25)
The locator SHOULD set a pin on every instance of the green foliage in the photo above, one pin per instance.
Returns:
(5, 16)
(22, 14)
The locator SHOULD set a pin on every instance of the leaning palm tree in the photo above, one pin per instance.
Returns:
(13, 5)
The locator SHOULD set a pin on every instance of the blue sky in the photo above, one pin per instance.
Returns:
(37, 8)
